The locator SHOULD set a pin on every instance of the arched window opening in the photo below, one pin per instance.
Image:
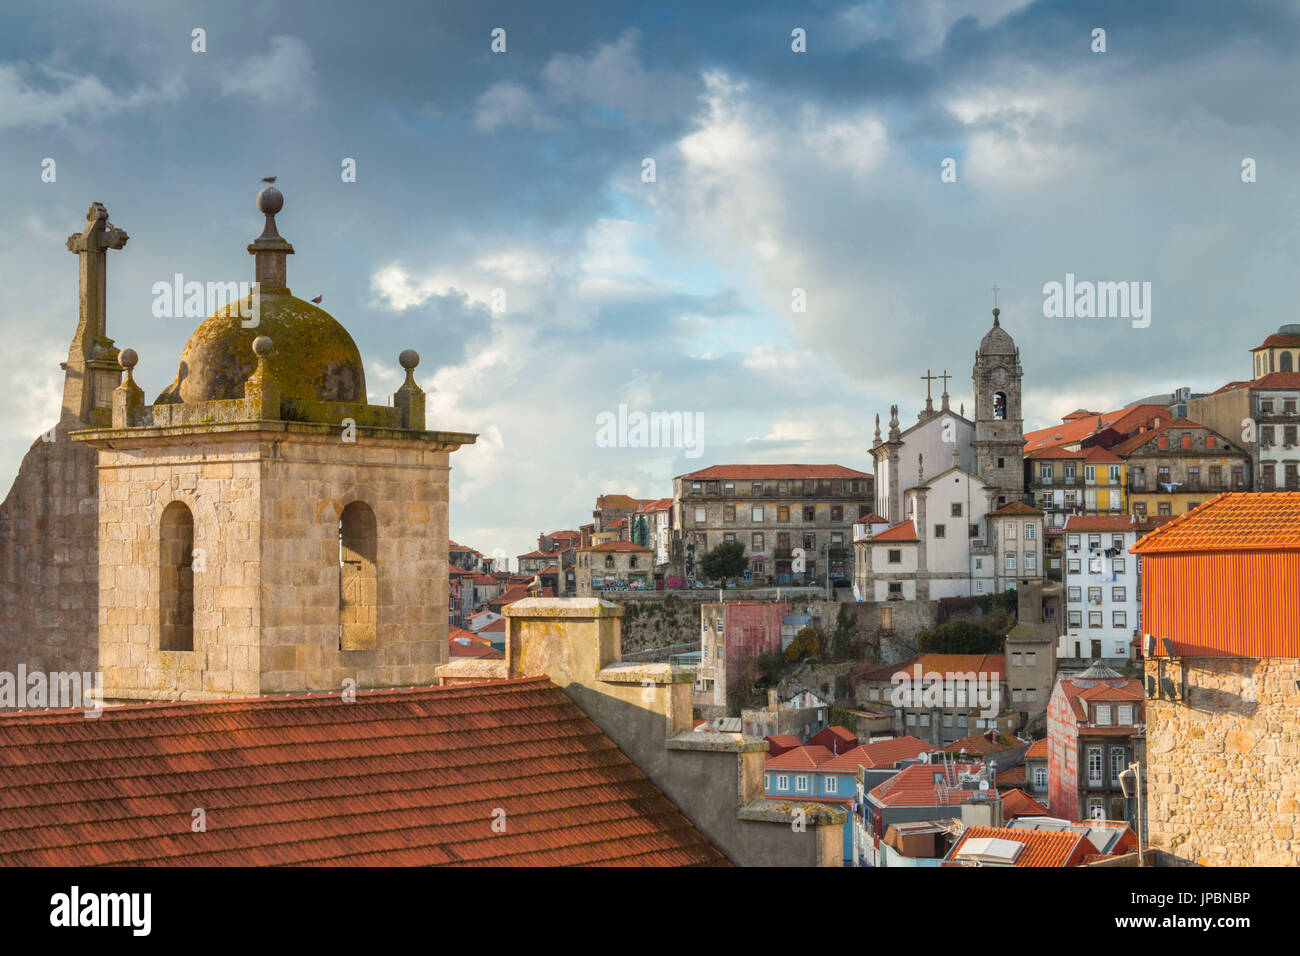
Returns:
(1285, 364)
(176, 583)
(1000, 405)
(358, 578)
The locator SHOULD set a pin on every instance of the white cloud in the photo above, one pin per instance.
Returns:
(509, 104)
(72, 98)
(284, 76)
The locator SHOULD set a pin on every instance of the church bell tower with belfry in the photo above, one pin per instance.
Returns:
(999, 427)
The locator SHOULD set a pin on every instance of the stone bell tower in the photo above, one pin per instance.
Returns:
(262, 529)
(999, 429)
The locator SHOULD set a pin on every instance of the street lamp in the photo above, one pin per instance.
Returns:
(1130, 782)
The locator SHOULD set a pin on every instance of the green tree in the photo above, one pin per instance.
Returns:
(959, 637)
(725, 561)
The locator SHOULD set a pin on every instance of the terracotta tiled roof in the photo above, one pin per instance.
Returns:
(906, 531)
(836, 739)
(1037, 750)
(397, 777)
(1278, 380)
(1233, 521)
(620, 502)
(1012, 777)
(921, 785)
(939, 664)
(1017, 508)
(1278, 339)
(779, 743)
(659, 504)
(1113, 523)
(974, 745)
(1131, 444)
(871, 518)
(799, 758)
(883, 754)
(1074, 689)
(775, 472)
(1017, 803)
(1041, 847)
(1124, 421)
(617, 546)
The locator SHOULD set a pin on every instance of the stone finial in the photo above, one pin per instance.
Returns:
(409, 399)
(261, 392)
(269, 249)
(877, 440)
(128, 398)
(996, 313)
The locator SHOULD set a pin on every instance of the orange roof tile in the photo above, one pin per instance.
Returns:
(1041, 847)
(1124, 421)
(906, 531)
(884, 754)
(1233, 521)
(1113, 523)
(798, 758)
(975, 745)
(922, 785)
(779, 743)
(871, 518)
(1283, 339)
(1037, 750)
(775, 472)
(939, 664)
(396, 778)
(836, 739)
(1017, 508)
(1017, 803)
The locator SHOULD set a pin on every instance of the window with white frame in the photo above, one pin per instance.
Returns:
(1030, 530)
(1118, 763)
(801, 783)
(1040, 778)
(756, 513)
(1119, 595)
(1031, 693)
(1015, 658)
(1011, 561)
(1031, 561)
(1125, 715)
(1011, 529)
(767, 781)
(1101, 715)
(1094, 767)
(1120, 619)
(1031, 658)
(782, 782)
(1072, 541)
(1075, 618)
(831, 782)
(911, 720)
(1072, 566)
(1074, 594)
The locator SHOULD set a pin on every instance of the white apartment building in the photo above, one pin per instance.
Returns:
(1102, 595)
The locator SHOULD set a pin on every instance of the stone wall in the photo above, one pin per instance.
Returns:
(48, 584)
(1223, 779)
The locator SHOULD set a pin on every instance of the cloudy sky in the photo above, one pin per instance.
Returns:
(775, 170)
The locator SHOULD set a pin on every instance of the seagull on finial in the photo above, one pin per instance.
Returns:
(269, 179)
(318, 298)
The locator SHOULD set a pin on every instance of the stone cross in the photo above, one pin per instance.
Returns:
(92, 355)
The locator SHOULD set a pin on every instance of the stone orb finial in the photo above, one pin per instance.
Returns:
(409, 359)
(128, 358)
(270, 201)
(263, 346)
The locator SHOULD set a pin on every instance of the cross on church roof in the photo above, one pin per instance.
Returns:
(995, 295)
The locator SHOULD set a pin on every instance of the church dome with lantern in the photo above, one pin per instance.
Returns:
(996, 340)
(314, 357)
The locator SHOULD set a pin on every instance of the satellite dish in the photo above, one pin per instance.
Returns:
(984, 784)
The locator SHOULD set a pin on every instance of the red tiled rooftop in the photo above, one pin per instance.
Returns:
(1113, 523)
(836, 739)
(1233, 521)
(1017, 803)
(1037, 750)
(798, 758)
(883, 754)
(397, 777)
(921, 785)
(1041, 847)
(905, 531)
(974, 745)
(871, 518)
(1124, 421)
(779, 743)
(774, 472)
(1017, 508)
(1277, 339)
(938, 664)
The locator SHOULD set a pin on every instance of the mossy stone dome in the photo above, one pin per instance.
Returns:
(313, 358)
